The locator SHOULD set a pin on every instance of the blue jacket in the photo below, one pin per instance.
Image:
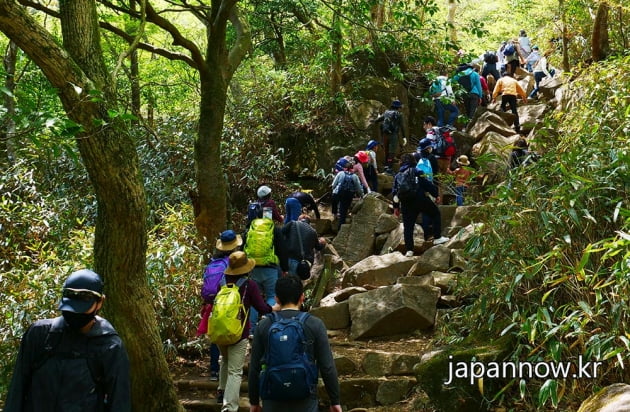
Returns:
(474, 80)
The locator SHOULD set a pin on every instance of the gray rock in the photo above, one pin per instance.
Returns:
(334, 317)
(344, 365)
(417, 280)
(393, 310)
(436, 258)
(445, 281)
(613, 398)
(386, 363)
(394, 390)
(386, 223)
(377, 270)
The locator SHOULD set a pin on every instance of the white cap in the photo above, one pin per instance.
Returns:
(263, 191)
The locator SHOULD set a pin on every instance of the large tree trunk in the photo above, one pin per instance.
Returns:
(566, 64)
(109, 155)
(599, 41)
(452, 13)
(7, 130)
(336, 39)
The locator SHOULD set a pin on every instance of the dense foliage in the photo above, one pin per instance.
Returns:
(551, 264)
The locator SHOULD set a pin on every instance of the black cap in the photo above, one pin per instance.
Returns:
(80, 291)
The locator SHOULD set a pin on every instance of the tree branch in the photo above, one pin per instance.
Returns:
(243, 43)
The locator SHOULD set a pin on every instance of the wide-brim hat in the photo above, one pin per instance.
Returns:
(81, 290)
(463, 160)
(229, 240)
(240, 264)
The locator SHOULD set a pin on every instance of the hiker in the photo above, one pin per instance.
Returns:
(490, 62)
(306, 202)
(510, 88)
(532, 59)
(233, 355)
(444, 100)
(426, 160)
(264, 243)
(512, 52)
(524, 44)
(392, 126)
(76, 361)
(501, 64)
(411, 204)
(433, 132)
(345, 186)
(462, 177)
(264, 204)
(361, 160)
(301, 242)
(371, 171)
(541, 71)
(268, 356)
(485, 91)
(227, 243)
(340, 166)
(521, 155)
(292, 209)
(468, 78)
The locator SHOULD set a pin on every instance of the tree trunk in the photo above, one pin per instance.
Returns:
(8, 126)
(109, 155)
(134, 76)
(452, 9)
(566, 65)
(336, 39)
(599, 42)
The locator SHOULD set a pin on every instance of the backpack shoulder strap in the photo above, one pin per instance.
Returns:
(302, 317)
(222, 282)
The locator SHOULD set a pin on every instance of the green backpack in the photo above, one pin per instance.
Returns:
(226, 324)
(259, 243)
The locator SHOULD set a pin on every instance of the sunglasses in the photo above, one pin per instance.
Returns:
(81, 294)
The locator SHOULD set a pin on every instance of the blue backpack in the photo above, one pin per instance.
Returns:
(288, 372)
(509, 50)
(212, 275)
(254, 211)
(425, 166)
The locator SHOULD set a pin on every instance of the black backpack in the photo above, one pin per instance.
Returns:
(465, 82)
(391, 121)
(407, 183)
(490, 57)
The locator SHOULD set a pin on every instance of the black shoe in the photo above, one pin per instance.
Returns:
(214, 376)
(220, 397)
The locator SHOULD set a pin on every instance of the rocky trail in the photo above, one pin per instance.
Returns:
(380, 307)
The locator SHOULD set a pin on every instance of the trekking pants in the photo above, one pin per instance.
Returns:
(510, 100)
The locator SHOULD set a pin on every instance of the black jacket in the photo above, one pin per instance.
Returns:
(424, 186)
(310, 240)
(62, 379)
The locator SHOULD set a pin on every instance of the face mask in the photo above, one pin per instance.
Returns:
(78, 320)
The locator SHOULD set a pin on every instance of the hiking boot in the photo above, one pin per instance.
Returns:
(409, 253)
(220, 397)
(441, 239)
(214, 376)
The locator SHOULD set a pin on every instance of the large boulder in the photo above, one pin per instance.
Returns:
(491, 121)
(393, 310)
(335, 316)
(531, 115)
(613, 398)
(498, 145)
(388, 363)
(436, 258)
(355, 241)
(381, 270)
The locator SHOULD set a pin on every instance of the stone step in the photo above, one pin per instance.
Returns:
(210, 405)
(357, 392)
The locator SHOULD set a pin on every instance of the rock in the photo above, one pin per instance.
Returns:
(498, 145)
(392, 310)
(334, 317)
(436, 258)
(417, 280)
(386, 223)
(341, 295)
(531, 115)
(355, 241)
(380, 241)
(355, 392)
(491, 121)
(322, 226)
(345, 365)
(378, 270)
(386, 363)
(448, 301)
(458, 261)
(393, 390)
(461, 238)
(445, 281)
(613, 398)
